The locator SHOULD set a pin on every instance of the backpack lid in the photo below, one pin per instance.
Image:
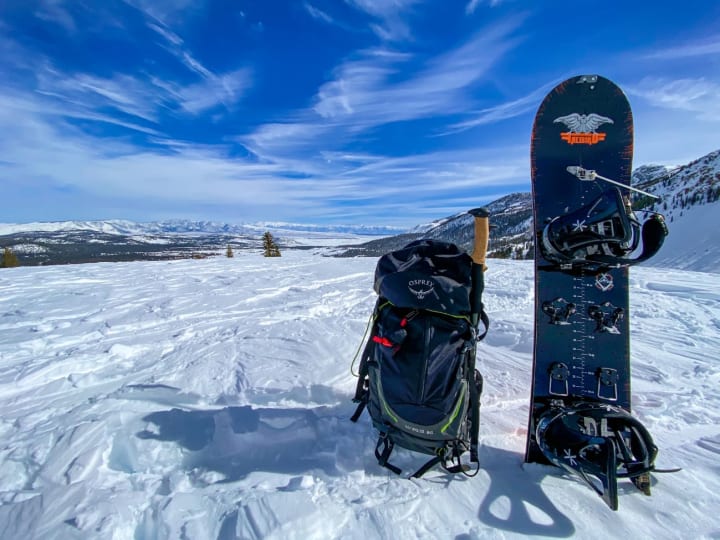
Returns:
(426, 274)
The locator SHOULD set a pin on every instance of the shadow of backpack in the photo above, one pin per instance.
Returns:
(417, 373)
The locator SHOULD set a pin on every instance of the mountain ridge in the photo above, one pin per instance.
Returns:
(684, 192)
(182, 226)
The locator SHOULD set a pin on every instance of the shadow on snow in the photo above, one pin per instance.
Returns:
(238, 440)
(515, 500)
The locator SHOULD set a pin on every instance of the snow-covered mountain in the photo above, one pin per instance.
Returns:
(689, 198)
(680, 188)
(119, 240)
(511, 219)
(124, 227)
(690, 201)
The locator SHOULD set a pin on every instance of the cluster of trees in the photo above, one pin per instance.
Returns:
(270, 247)
(523, 250)
(9, 259)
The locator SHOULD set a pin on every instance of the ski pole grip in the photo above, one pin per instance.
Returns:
(482, 235)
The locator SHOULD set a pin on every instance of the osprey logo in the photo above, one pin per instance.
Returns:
(421, 287)
(583, 128)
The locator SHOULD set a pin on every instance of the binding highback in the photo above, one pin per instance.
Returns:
(603, 233)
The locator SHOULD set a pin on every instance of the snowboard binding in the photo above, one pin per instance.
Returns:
(600, 443)
(602, 234)
(606, 317)
(559, 310)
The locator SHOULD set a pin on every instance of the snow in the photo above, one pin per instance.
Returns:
(693, 240)
(28, 248)
(211, 399)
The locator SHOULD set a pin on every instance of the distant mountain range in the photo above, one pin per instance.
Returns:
(119, 240)
(124, 227)
(689, 196)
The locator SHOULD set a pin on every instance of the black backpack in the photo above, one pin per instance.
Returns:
(417, 373)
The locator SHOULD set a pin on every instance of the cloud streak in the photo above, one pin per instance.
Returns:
(59, 156)
(503, 111)
(389, 14)
(214, 89)
(379, 88)
(319, 14)
(708, 47)
(699, 96)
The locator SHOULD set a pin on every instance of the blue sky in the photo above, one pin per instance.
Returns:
(391, 112)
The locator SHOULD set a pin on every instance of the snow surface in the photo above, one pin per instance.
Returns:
(211, 399)
(693, 241)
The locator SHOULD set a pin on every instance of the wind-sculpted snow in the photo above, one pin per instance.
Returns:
(211, 399)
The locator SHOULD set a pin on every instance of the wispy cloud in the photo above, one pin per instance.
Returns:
(699, 96)
(77, 18)
(84, 92)
(707, 47)
(57, 155)
(368, 91)
(379, 87)
(224, 90)
(175, 45)
(318, 14)
(138, 101)
(214, 89)
(502, 111)
(472, 5)
(168, 11)
(171, 37)
(391, 25)
(55, 12)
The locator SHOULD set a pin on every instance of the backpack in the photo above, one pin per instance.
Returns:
(417, 375)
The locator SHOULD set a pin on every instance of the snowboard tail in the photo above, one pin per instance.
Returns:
(586, 237)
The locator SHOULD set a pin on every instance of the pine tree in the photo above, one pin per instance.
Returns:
(9, 260)
(270, 248)
(229, 252)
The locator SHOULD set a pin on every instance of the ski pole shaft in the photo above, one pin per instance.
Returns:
(636, 190)
(588, 175)
(480, 246)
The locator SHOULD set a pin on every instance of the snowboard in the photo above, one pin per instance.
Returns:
(581, 159)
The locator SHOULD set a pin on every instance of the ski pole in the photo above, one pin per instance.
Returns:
(588, 176)
(480, 246)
